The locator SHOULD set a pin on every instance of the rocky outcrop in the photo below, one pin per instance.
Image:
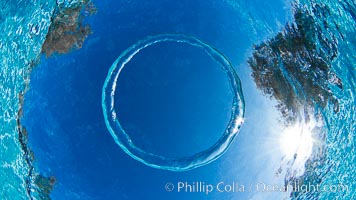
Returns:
(294, 67)
(67, 30)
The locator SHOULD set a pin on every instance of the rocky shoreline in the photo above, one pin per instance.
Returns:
(295, 68)
(66, 33)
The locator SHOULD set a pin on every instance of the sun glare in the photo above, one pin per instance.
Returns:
(297, 140)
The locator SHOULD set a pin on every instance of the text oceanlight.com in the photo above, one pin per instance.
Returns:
(235, 187)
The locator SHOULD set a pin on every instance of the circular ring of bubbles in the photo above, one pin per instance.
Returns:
(173, 164)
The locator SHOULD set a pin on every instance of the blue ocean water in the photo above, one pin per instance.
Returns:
(76, 89)
(63, 113)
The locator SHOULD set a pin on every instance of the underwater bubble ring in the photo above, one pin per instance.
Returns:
(173, 164)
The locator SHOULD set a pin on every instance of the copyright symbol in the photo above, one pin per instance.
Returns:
(169, 187)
